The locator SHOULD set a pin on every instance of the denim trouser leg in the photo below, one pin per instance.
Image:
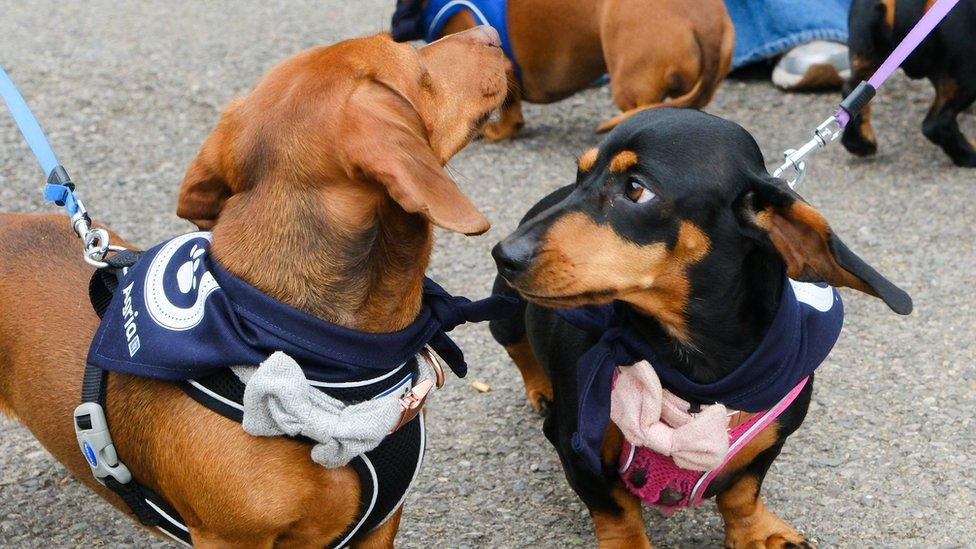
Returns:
(766, 28)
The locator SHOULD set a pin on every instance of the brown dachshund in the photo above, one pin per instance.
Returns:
(336, 155)
(657, 52)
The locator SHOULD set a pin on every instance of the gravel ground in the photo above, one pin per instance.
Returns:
(128, 90)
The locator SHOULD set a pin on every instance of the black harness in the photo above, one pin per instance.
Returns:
(385, 473)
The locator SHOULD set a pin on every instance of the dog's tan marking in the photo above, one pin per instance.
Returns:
(588, 159)
(862, 65)
(582, 262)
(579, 256)
(612, 443)
(889, 13)
(802, 237)
(748, 523)
(867, 130)
(667, 298)
(623, 529)
(946, 89)
(623, 161)
(762, 441)
(538, 387)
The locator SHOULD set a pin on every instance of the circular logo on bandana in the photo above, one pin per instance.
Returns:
(89, 454)
(177, 285)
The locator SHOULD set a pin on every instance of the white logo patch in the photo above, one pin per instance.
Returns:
(130, 327)
(818, 297)
(163, 311)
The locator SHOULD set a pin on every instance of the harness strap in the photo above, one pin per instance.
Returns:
(93, 391)
(149, 509)
(91, 422)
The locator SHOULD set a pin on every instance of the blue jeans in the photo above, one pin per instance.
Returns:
(766, 28)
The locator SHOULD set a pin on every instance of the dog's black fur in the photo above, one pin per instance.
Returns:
(946, 58)
(704, 171)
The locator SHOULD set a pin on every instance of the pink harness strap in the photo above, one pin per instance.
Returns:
(658, 481)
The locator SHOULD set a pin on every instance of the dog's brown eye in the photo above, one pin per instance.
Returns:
(637, 192)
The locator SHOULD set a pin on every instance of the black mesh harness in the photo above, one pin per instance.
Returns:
(385, 473)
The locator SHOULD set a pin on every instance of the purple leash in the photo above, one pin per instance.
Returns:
(831, 128)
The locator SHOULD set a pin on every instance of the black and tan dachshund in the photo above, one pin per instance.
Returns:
(675, 216)
(946, 58)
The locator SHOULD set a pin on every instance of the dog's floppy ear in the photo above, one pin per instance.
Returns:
(773, 214)
(385, 141)
(207, 183)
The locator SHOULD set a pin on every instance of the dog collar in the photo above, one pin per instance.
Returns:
(178, 314)
(800, 337)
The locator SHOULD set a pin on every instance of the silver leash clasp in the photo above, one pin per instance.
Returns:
(828, 131)
(97, 245)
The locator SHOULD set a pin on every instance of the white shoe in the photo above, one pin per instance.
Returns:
(814, 65)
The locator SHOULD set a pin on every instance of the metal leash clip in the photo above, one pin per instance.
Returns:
(795, 159)
(435, 363)
(96, 241)
(827, 132)
(413, 402)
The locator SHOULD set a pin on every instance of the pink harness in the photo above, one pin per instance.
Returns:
(657, 480)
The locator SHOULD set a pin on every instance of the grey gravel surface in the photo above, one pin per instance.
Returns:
(128, 90)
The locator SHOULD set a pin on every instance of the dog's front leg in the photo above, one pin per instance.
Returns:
(748, 523)
(510, 119)
(940, 125)
(618, 521)
(210, 540)
(382, 537)
(621, 528)
(858, 137)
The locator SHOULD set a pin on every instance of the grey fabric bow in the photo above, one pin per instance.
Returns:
(278, 400)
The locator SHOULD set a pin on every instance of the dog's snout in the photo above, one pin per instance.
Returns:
(482, 34)
(513, 257)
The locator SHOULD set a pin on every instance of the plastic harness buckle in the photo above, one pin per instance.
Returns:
(91, 428)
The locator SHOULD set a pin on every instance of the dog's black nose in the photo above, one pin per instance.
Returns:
(513, 257)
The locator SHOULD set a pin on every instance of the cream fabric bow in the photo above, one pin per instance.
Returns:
(649, 416)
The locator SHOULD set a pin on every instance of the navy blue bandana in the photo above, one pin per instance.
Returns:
(179, 315)
(800, 337)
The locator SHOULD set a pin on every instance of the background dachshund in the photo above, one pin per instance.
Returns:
(945, 58)
(322, 186)
(674, 215)
(657, 52)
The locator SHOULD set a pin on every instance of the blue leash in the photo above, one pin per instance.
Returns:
(59, 188)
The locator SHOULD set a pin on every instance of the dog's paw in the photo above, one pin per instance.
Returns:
(500, 130)
(540, 398)
(781, 540)
(858, 144)
(967, 160)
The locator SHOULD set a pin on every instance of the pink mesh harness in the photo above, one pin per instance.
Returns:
(658, 481)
